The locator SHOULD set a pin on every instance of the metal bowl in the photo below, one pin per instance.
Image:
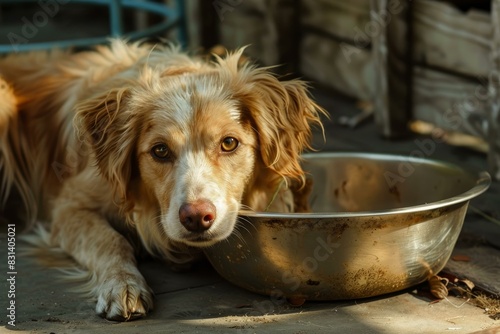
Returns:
(379, 224)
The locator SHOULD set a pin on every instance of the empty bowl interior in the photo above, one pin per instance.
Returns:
(360, 183)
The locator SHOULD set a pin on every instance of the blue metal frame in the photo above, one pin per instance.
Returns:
(171, 17)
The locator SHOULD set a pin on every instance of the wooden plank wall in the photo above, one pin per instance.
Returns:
(427, 60)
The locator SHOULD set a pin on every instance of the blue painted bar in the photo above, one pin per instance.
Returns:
(171, 17)
(115, 18)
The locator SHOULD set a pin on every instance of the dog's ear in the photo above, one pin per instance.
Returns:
(283, 115)
(106, 123)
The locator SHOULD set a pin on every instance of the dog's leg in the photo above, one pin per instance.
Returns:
(80, 228)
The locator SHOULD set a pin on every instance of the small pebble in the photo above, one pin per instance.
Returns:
(296, 301)
(461, 258)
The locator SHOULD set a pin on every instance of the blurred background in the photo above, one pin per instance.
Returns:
(418, 78)
(424, 67)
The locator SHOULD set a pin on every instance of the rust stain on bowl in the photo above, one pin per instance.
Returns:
(311, 282)
(374, 224)
(334, 228)
(394, 190)
(361, 283)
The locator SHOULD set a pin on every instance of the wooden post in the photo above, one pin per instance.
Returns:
(209, 24)
(494, 91)
(393, 66)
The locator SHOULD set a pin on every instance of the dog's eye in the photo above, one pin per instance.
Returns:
(160, 152)
(229, 144)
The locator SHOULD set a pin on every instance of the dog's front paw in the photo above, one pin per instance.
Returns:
(124, 296)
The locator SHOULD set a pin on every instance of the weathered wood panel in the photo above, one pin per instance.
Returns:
(338, 65)
(345, 19)
(450, 102)
(450, 39)
(266, 26)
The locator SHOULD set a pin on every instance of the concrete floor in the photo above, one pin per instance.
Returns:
(200, 301)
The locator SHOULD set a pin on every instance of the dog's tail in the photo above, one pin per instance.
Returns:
(37, 246)
(7, 104)
(7, 113)
(13, 166)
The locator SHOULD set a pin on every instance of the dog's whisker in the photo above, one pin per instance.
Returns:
(238, 235)
(246, 207)
(242, 223)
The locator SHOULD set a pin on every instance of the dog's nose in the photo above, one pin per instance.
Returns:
(197, 216)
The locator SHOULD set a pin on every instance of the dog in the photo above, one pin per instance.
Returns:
(148, 138)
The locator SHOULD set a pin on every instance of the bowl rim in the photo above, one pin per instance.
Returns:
(483, 181)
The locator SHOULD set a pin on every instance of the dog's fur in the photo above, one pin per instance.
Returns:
(79, 133)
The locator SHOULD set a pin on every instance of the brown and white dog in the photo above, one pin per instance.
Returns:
(149, 138)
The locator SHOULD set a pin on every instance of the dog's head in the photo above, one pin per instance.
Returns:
(194, 142)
